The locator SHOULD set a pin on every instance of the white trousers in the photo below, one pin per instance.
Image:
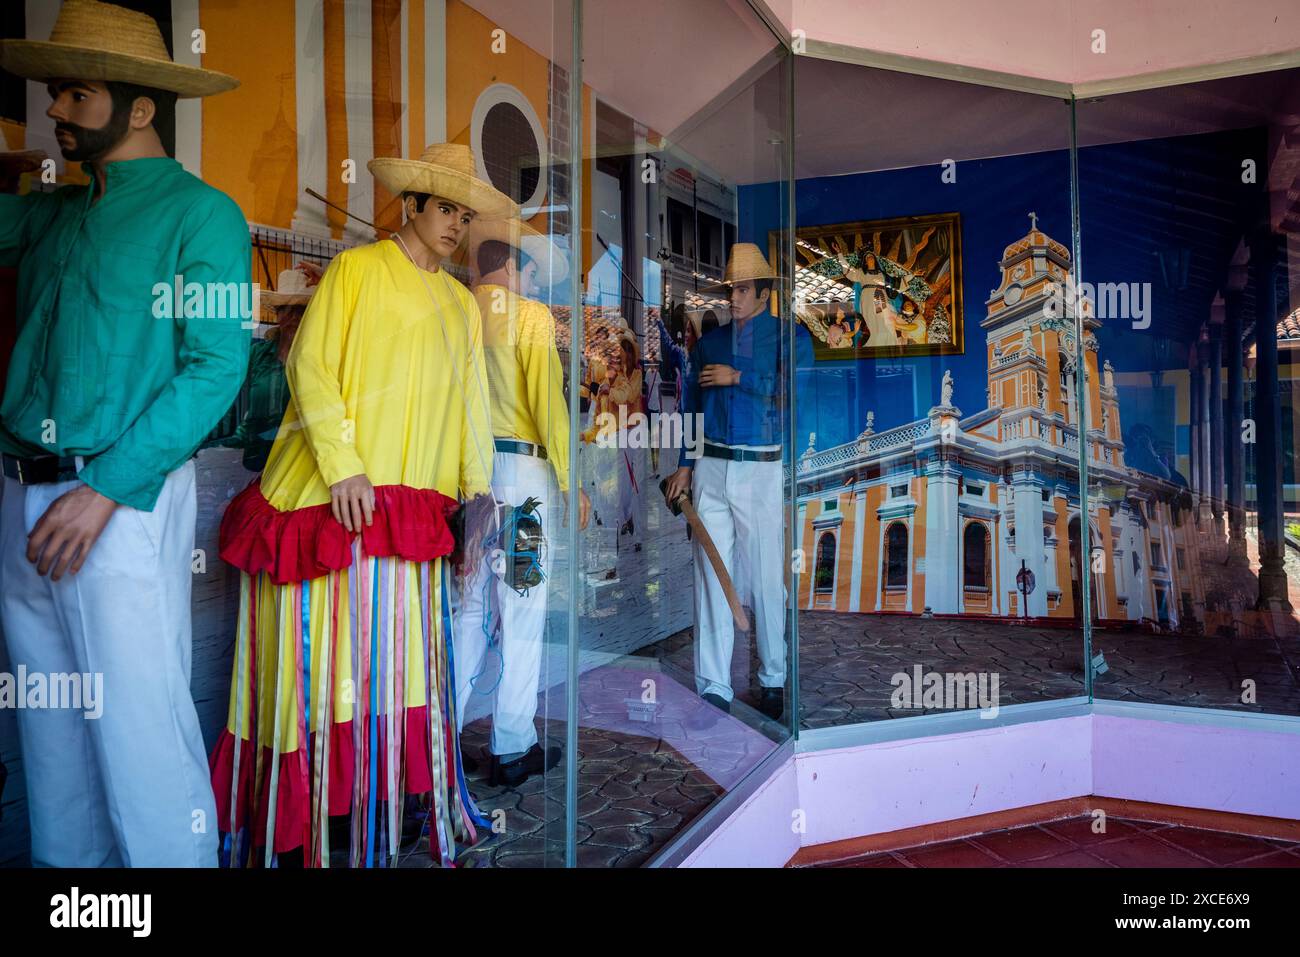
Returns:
(131, 787)
(741, 508)
(510, 678)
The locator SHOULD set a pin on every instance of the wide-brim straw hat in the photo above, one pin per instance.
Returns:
(446, 170)
(552, 263)
(105, 42)
(745, 263)
(291, 289)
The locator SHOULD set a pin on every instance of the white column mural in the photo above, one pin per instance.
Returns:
(942, 540)
(358, 92)
(435, 73)
(41, 15)
(859, 520)
(189, 112)
(1029, 539)
(309, 86)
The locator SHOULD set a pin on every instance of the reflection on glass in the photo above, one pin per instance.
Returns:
(939, 490)
(684, 637)
(1187, 250)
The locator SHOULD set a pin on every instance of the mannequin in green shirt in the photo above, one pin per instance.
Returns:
(117, 374)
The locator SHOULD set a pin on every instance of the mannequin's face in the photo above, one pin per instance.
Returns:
(84, 121)
(528, 280)
(745, 301)
(441, 226)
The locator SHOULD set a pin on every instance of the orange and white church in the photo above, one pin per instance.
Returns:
(939, 515)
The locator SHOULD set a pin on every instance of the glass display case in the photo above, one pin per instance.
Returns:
(813, 403)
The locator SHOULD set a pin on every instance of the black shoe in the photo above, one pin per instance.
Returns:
(772, 702)
(705, 715)
(511, 774)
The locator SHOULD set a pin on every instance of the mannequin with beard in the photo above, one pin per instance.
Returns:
(110, 390)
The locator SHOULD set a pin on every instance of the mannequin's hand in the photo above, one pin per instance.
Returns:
(68, 530)
(351, 501)
(717, 374)
(679, 483)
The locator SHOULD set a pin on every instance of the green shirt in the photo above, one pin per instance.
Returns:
(105, 365)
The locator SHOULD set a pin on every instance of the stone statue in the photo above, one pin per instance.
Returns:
(946, 388)
(812, 445)
(1027, 341)
(1042, 394)
(871, 421)
(1108, 375)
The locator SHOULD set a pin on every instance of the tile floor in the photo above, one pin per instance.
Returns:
(1072, 843)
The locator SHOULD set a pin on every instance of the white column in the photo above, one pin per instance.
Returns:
(810, 556)
(41, 15)
(942, 540)
(859, 520)
(358, 86)
(309, 86)
(435, 74)
(404, 120)
(189, 112)
(1029, 538)
(880, 565)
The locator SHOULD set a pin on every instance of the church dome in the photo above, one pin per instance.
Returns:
(1035, 239)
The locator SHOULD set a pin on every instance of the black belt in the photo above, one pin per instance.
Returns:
(741, 455)
(521, 448)
(42, 469)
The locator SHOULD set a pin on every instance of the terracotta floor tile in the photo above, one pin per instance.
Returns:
(1216, 846)
(950, 854)
(874, 860)
(1276, 859)
(1144, 851)
(1079, 830)
(1022, 844)
(1075, 858)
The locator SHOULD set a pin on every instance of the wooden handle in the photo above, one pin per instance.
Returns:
(719, 569)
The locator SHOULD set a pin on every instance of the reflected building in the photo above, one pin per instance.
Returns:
(940, 515)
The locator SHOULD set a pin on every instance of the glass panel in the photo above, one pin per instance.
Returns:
(422, 370)
(685, 166)
(510, 91)
(1190, 256)
(939, 494)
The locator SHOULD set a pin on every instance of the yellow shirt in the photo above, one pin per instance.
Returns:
(384, 381)
(525, 380)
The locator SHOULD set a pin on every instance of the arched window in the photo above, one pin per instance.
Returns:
(824, 572)
(896, 556)
(975, 552)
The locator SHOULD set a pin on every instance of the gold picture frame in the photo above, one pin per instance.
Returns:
(910, 266)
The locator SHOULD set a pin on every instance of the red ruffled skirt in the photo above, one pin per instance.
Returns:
(343, 675)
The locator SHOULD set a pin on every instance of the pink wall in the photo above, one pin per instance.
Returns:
(897, 784)
(1225, 769)
(760, 833)
(877, 788)
(1051, 39)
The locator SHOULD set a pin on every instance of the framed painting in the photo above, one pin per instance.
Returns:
(884, 288)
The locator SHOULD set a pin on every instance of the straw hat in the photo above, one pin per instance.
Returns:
(746, 263)
(102, 41)
(446, 170)
(292, 288)
(552, 263)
